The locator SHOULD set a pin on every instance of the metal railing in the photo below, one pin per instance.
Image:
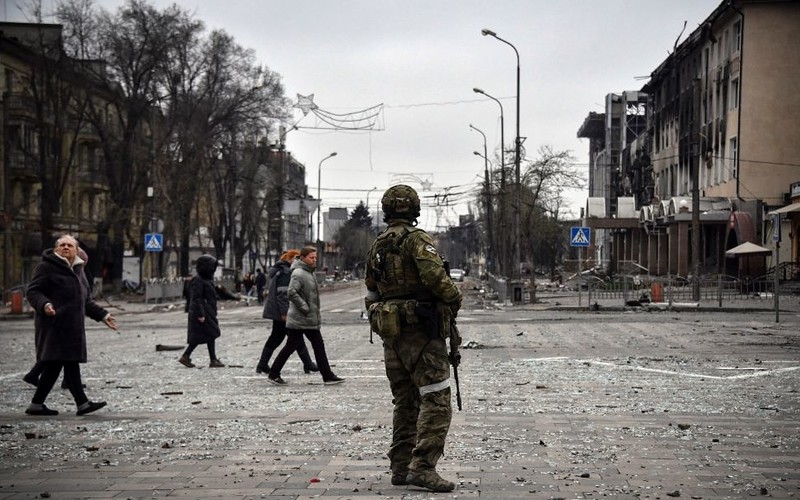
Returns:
(666, 289)
(170, 289)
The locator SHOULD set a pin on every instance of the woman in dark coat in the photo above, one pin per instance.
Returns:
(203, 324)
(59, 293)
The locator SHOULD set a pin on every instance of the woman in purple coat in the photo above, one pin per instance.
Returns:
(59, 293)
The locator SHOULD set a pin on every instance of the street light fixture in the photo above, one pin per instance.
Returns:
(517, 154)
(487, 201)
(502, 125)
(320, 250)
(501, 246)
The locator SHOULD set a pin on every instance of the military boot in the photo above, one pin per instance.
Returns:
(431, 480)
(399, 477)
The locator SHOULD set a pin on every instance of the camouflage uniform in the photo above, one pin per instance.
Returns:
(405, 271)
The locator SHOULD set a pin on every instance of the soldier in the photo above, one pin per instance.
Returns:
(411, 302)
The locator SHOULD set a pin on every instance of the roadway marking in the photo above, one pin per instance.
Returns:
(760, 373)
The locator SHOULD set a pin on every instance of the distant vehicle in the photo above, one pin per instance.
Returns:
(457, 274)
(675, 280)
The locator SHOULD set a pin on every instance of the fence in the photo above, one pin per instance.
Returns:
(657, 289)
(167, 289)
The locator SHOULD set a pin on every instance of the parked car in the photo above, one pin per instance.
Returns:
(457, 274)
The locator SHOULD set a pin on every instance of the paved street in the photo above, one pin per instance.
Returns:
(557, 404)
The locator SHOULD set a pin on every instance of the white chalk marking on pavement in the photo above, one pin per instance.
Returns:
(689, 374)
(348, 376)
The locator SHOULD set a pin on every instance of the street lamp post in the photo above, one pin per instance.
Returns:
(501, 244)
(487, 201)
(320, 250)
(517, 154)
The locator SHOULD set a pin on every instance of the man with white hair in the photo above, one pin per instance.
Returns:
(59, 294)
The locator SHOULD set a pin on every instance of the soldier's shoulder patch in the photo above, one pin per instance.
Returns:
(431, 249)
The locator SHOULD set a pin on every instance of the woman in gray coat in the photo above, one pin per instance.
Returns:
(304, 319)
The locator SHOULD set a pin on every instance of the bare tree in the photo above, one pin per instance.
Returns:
(79, 19)
(544, 182)
(218, 100)
(131, 43)
(53, 87)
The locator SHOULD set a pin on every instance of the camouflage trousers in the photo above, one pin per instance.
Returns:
(419, 376)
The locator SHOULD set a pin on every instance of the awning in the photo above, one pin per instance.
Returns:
(794, 207)
(746, 249)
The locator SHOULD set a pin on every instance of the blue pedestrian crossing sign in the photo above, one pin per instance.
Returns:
(154, 242)
(579, 236)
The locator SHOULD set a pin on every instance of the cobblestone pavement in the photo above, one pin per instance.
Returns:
(557, 404)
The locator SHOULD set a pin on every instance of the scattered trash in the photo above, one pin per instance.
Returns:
(162, 347)
(472, 345)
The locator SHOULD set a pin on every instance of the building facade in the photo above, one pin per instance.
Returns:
(719, 151)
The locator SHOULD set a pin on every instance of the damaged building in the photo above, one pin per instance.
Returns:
(708, 148)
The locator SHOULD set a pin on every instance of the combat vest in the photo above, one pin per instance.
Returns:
(393, 268)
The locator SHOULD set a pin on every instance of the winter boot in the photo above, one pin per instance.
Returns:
(431, 480)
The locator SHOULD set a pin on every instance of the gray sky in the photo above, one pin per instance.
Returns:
(421, 60)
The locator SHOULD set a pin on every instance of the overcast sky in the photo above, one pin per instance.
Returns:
(421, 60)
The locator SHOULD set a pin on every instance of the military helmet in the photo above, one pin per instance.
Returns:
(400, 202)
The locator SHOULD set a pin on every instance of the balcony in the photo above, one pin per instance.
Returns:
(22, 167)
(20, 105)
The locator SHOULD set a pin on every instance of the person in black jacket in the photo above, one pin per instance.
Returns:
(276, 308)
(59, 293)
(203, 324)
(261, 283)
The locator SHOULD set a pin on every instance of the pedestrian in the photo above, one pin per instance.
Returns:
(261, 283)
(186, 297)
(32, 377)
(276, 309)
(203, 327)
(411, 303)
(248, 284)
(59, 294)
(303, 318)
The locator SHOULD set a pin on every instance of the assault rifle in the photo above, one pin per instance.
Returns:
(454, 356)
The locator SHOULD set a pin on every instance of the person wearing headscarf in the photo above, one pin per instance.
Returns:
(203, 326)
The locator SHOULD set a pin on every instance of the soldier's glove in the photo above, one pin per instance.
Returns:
(455, 358)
